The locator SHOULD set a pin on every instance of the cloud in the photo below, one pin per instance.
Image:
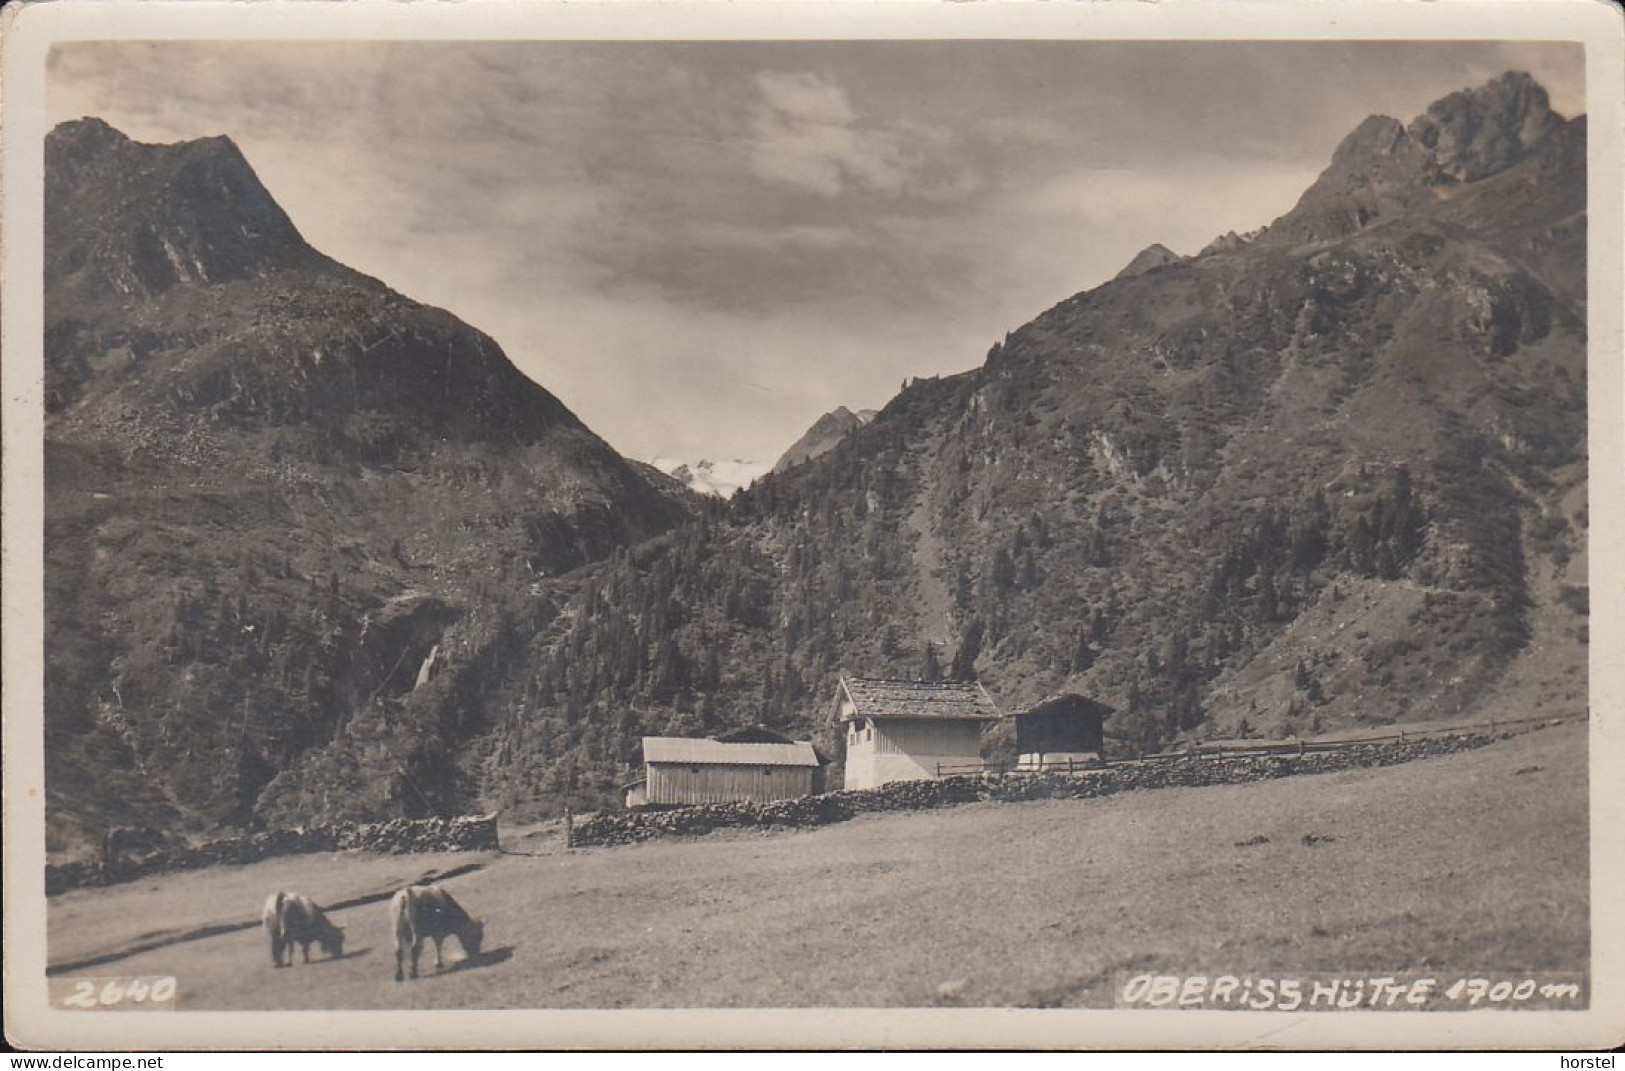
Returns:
(806, 98)
(1196, 201)
(808, 136)
(775, 238)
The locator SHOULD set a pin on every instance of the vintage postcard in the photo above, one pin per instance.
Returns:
(813, 525)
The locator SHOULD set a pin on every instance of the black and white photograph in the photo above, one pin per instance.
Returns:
(816, 521)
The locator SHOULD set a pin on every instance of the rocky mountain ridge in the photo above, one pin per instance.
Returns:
(1323, 476)
(821, 438)
(1154, 256)
(1386, 167)
(278, 495)
(1326, 475)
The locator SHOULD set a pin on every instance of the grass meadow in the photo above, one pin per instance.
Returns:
(1471, 862)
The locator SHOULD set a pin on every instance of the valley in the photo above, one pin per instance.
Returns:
(318, 552)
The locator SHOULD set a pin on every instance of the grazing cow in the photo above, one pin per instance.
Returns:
(427, 912)
(291, 919)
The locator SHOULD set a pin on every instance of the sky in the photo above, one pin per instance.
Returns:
(701, 247)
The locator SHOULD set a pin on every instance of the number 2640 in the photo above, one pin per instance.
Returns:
(110, 992)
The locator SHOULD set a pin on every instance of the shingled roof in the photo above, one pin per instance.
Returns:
(1067, 705)
(917, 699)
(682, 749)
(753, 734)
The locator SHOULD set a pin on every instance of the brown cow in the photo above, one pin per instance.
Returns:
(291, 919)
(427, 912)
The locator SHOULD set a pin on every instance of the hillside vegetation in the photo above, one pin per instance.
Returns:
(317, 552)
(1330, 474)
(285, 505)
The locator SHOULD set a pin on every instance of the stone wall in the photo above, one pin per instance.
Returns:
(399, 835)
(631, 827)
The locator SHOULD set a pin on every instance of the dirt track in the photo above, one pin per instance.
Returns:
(1474, 861)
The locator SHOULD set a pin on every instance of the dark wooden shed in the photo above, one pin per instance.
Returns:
(1067, 728)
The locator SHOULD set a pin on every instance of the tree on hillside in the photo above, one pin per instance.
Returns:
(931, 665)
(963, 667)
(1083, 656)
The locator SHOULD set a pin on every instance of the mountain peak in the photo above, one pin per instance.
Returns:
(89, 129)
(1376, 137)
(1384, 167)
(825, 433)
(93, 129)
(188, 234)
(1476, 132)
(719, 479)
(1154, 256)
(128, 217)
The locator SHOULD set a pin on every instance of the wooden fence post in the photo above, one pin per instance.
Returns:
(569, 829)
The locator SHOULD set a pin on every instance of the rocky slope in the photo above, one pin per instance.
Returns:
(1154, 256)
(285, 505)
(821, 438)
(1327, 475)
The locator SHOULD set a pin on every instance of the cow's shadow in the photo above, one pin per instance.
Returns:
(488, 958)
(355, 953)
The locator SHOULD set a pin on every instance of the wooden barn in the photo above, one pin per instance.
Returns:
(1067, 728)
(751, 765)
(905, 730)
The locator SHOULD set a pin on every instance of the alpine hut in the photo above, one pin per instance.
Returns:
(679, 771)
(910, 730)
(1066, 729)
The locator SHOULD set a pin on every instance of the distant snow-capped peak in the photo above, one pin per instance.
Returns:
(719, 478)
